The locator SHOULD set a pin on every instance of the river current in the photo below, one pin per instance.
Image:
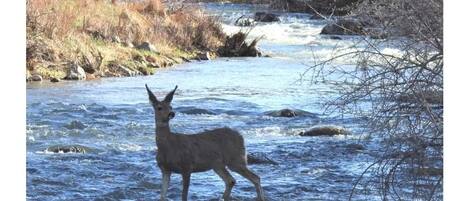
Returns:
(112, 118)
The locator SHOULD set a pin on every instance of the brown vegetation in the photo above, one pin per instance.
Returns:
(95, 33)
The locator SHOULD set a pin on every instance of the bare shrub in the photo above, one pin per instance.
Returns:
(397, 86)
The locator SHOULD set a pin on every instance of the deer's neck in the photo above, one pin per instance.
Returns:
(162, 130)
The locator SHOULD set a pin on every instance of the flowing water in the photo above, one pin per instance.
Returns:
(113, 119)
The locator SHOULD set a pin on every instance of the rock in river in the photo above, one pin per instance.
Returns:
(266, 17)
(344, 26)
(325, 130)
(68, 149)
(288, 113)
(260, 158)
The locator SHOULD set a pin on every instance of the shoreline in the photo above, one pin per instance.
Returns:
(86, 40)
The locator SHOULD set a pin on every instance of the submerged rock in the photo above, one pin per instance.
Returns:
(75, 72)
(193, 110)
(260, 158)
(266, 17)
(355, 147)
(75, 124)
(68, 149)
(288, 113)
(284, 113)
(325, 130)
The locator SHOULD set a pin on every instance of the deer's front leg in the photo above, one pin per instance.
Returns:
(186, 180)
(165, 184)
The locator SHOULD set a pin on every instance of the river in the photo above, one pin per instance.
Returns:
(112, 117)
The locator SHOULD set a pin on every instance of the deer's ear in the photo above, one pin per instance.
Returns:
(170, 95)
(151, 96)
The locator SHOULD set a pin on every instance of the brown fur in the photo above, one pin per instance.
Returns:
(209, 150)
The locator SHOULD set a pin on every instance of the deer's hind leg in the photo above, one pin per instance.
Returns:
(253, 178)
(228, 179)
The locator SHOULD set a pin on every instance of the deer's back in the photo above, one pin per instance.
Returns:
(203, 151)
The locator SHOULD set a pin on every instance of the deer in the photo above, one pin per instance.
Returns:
(184, 154)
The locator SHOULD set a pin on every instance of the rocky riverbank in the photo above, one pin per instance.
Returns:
(82, 40)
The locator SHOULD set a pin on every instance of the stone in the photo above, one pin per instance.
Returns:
(325, 130)
(260, 158)
(54, 79)
(68, 149)
(266, 17)
(36, 78)
(343, 26)
(75, 72)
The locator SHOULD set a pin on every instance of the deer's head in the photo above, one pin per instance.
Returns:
(163, 110)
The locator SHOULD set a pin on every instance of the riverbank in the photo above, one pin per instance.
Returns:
(78, 40)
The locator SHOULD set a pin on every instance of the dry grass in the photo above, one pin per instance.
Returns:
(59, 31)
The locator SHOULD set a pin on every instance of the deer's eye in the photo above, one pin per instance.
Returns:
(160, 108)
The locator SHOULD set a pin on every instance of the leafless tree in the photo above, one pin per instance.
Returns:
(399, 93)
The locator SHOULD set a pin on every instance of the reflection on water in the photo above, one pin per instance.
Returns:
(113, 120)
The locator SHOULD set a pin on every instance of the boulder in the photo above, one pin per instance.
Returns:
(75, 72)
(54, 79)
(195, 111)
(325, 130)
(68, 149)
(289, 113)
(36, 78)
(244, 21)
(147, 46)
(260, 158)
(282, 113)
(343, 26)
(266, 17)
